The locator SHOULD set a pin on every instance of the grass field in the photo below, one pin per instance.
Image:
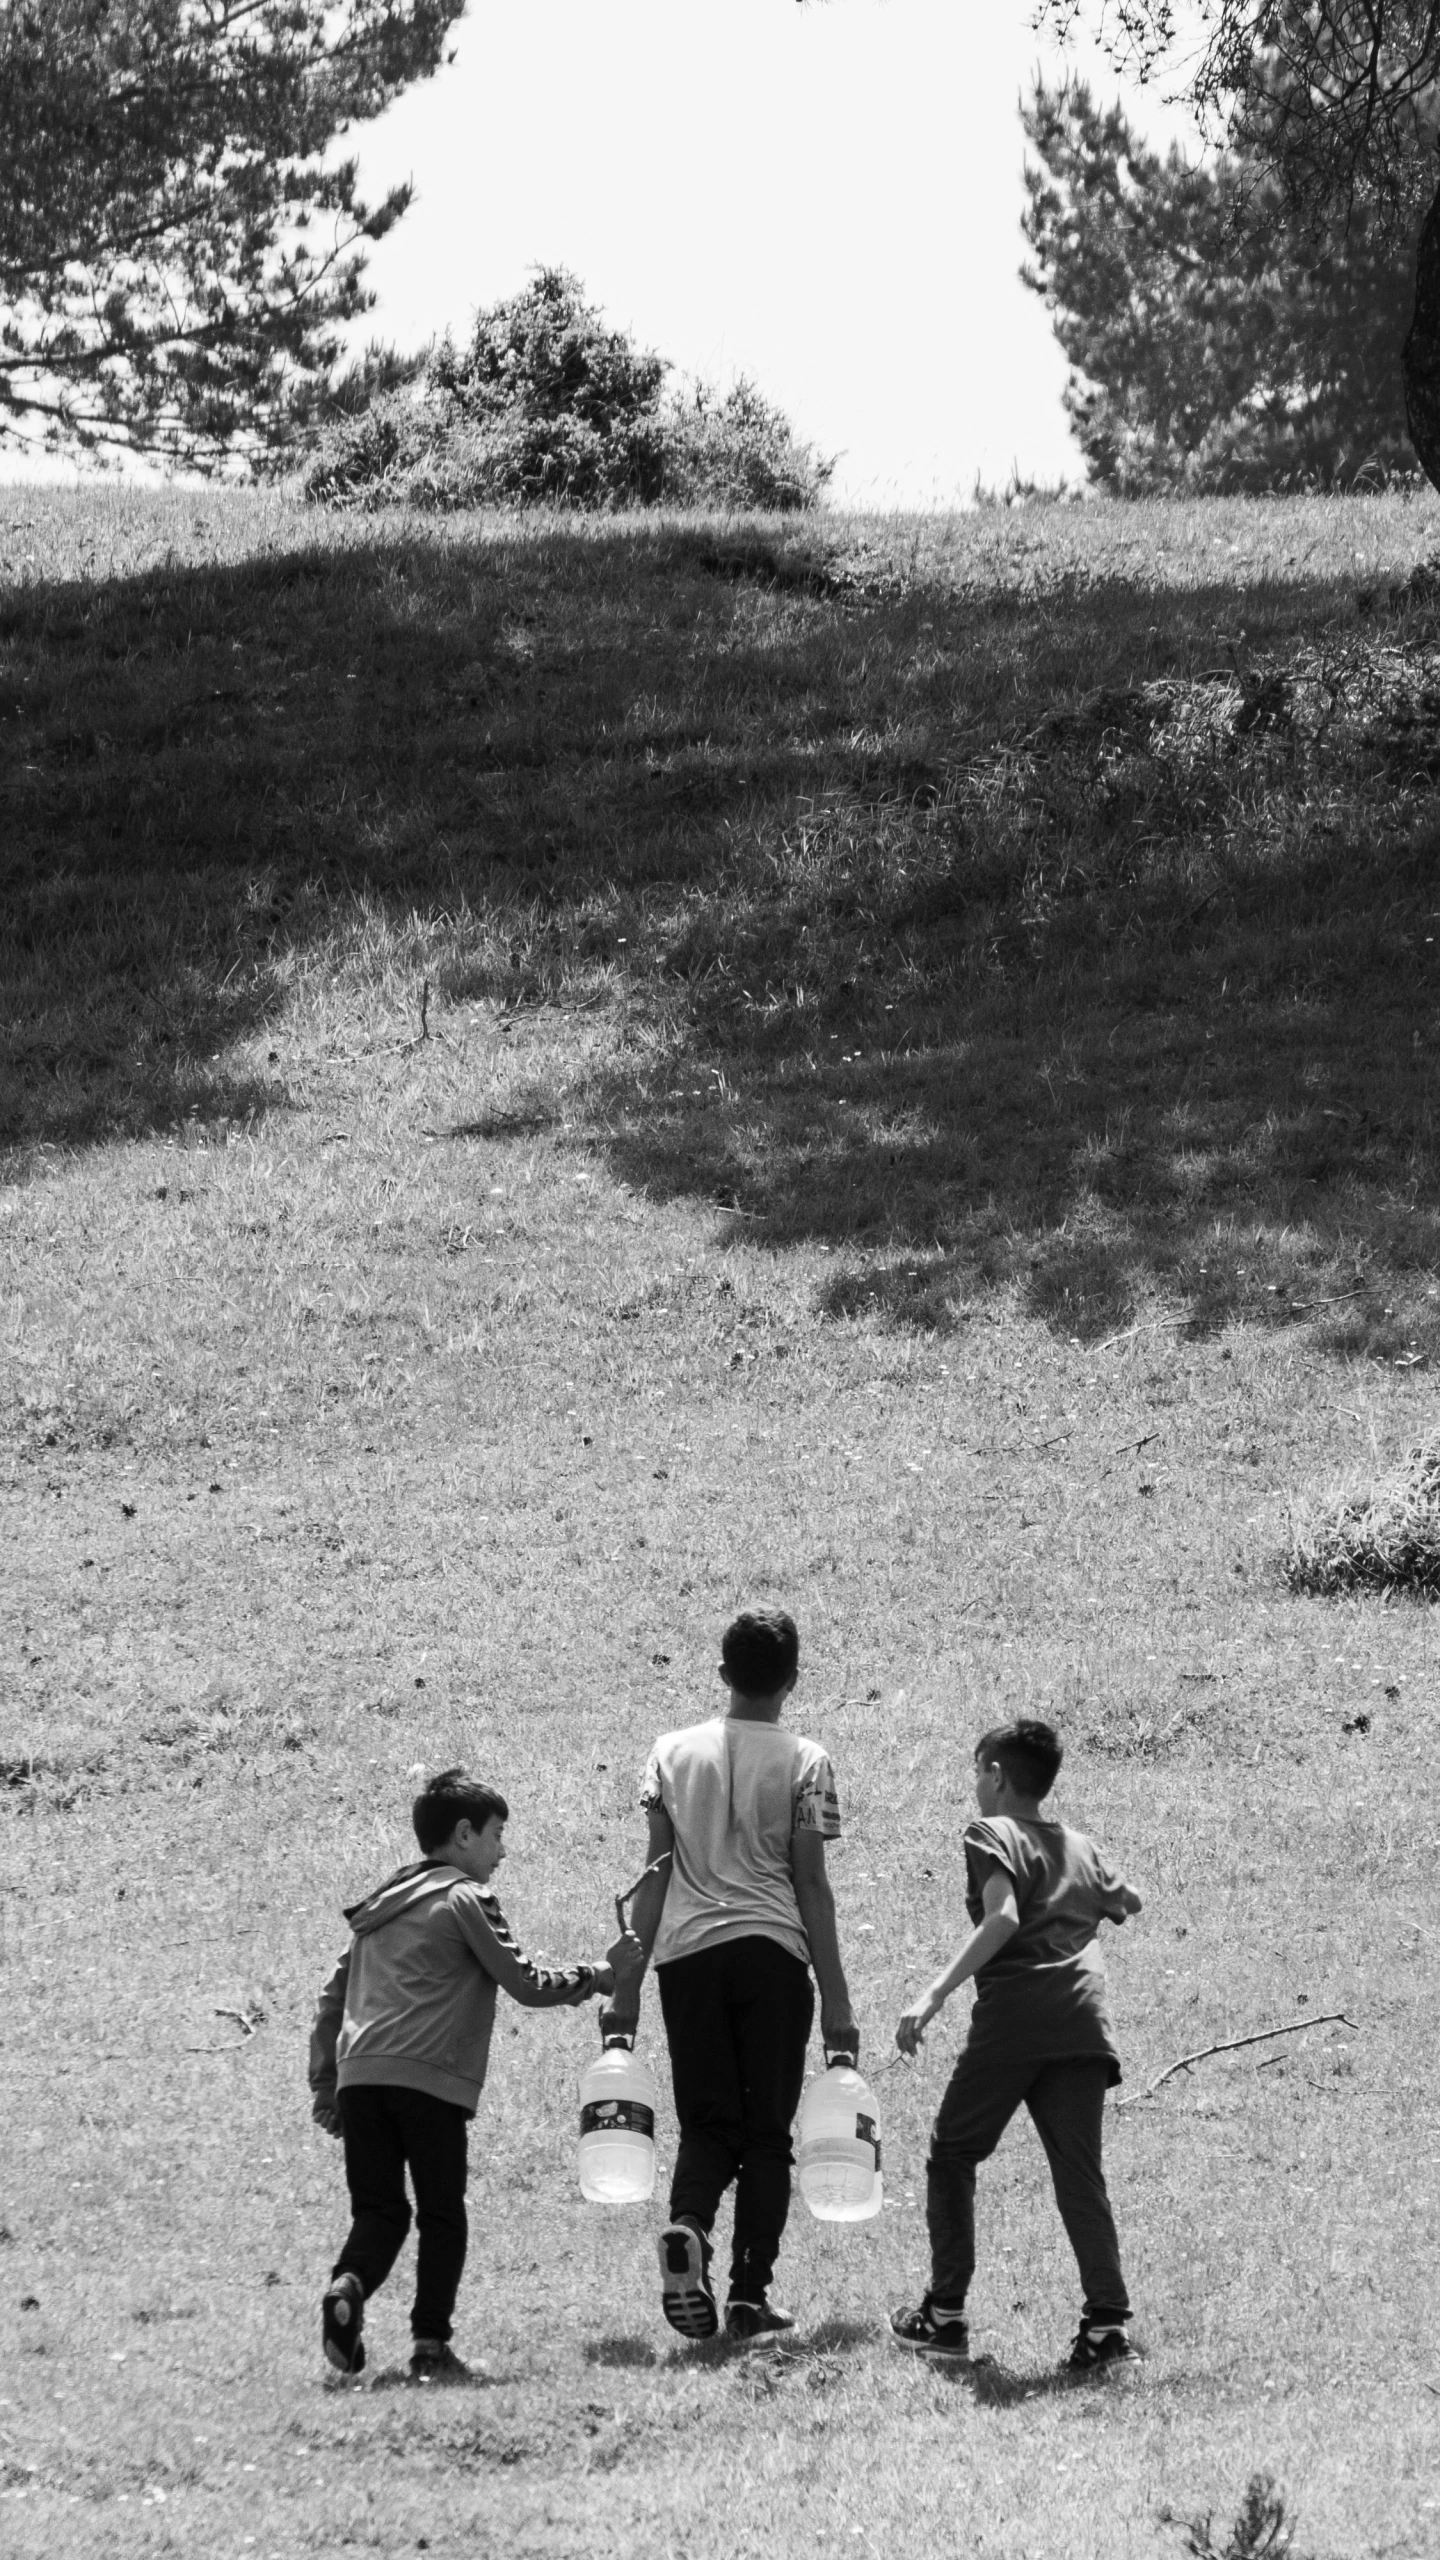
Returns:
(559, 1079)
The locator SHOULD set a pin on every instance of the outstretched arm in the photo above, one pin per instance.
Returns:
(838, 2031)
(487, 1934)
(1002, 1919)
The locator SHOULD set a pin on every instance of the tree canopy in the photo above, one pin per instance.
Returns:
(1217, 342)
(1336, 96)
(179, 248)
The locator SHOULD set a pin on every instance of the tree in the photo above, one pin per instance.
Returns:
(179, 251)
(1216, 342)
(1336, 97)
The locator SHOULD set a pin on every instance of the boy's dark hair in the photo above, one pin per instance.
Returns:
(1028, 1751)
(760, 1651)
(452, 1796)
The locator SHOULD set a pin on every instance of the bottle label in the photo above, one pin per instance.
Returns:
(618, 2115)
(867, 2130)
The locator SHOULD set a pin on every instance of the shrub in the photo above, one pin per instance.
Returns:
(546, 406)
(739, 451)
(1262, 2530)
(1385, 1540)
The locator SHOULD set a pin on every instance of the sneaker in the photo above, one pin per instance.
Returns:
(432, 2361)
(755, 2324)
(927, 2335)
(686, 2296)
(1100, 2342)
(342, 2317)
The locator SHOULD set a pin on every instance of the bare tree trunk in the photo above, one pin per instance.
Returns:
(1421, 357)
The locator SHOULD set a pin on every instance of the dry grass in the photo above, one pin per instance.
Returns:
(387, 1399)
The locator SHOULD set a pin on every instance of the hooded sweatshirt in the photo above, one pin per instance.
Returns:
(411, 2003)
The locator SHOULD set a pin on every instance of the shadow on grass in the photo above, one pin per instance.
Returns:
(969, 921)
(995, 2386)
(620, 2352)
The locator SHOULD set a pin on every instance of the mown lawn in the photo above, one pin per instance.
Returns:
(554, 1081)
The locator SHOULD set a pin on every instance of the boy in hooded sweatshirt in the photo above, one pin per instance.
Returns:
(398, 2055)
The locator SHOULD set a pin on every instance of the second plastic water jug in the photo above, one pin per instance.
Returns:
(617, 2127)
(839, 2146)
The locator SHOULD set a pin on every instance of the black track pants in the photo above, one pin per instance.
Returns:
(386, 2132)
(738, 2020)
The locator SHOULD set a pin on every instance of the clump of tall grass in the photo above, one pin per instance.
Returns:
(1384, 1539)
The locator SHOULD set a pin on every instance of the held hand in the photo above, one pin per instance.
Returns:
(627, 1956)
(327, 2116)
(601, 1983)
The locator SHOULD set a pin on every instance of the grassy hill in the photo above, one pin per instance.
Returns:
(559, 1077)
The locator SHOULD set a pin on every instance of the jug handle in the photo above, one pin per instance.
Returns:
(850, 2053)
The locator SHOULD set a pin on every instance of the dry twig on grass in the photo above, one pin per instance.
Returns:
(1232, 2044)
(247, 2020)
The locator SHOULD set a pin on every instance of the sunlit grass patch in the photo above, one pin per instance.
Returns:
(1385, 1539)
(861, 1146)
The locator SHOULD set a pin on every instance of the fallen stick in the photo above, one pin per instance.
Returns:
(1232, 2044)
(244, 2019)
(1147, 1324)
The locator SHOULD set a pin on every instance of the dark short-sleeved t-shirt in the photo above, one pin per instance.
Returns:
(1043, 1998)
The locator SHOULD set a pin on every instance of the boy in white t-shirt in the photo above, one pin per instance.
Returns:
(735, 1907)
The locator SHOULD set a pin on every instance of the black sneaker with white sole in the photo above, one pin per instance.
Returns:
(342, 2317)
(687, 2297)
(926, 2333)
(1099, 2343)
(755, 2324)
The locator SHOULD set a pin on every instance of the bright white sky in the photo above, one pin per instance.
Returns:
(825, 198)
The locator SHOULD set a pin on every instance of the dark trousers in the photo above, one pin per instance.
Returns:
(386, 2132)
(1066, 2101)
(737, 2018)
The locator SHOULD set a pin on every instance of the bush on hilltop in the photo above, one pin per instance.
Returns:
(547, 407)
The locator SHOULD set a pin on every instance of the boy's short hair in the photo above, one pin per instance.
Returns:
(760, 1651)
(1028, 1751)
(452, 1796)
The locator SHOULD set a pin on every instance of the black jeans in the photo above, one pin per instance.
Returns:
(386, 2132)
(1066, 2100)
(738, 2019)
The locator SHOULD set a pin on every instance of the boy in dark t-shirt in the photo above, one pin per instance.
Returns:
(1040, 2035)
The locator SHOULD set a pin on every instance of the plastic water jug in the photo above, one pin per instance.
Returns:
(617, 2127)
(839, 2146)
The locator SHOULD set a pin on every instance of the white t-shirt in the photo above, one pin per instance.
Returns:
(736, 1793)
